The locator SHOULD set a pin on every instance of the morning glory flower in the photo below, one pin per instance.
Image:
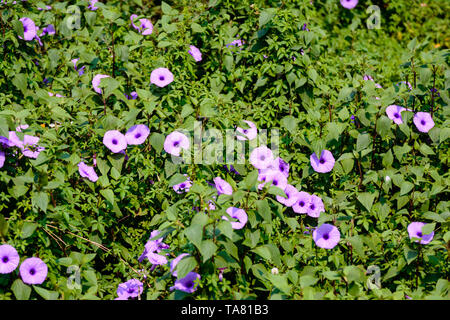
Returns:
(115, 141)
(222, 186)
(2, 158)
(133, 95)
(238, 214)
(324, 164)
(137, 134)
(367, 77)
(247, 134)
(315, 206)
(33, 271)
(278, 179)
(187, 284)
(415, 231)
(326, 236)
(195, 53)
(156, 259)
(174, 263)
(261, 157)
(423, 121)
(29, 29)
(394, 113)
(152, 247)
(237, 43)
(302, 203)
(50, 30)
(31, 141)
(349, 4)
(291, 193)
(56, 95)
(9, 259)
(175, 142)
(47, 7)
(92, 5)
(406, 83)
(281, 166)
(183, 186)
(146, 26)
(130, 289)
(87, 172)
(81, 70)
(161, 77)
(96, 82)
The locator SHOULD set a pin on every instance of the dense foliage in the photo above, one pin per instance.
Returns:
(301, 67)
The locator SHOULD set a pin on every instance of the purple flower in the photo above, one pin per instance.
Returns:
(367, 77)
(406, 83)
(81, 70)
(30, 148)
(394, 113)
(278, 179)
(146, 26)
(324, 164)
(247, 134)
(156, 259)
(423, 121)
(183, 186)
(261, 157)
(46, 8)
(195, 52)
(152, 247)
(281, 166)
(9, 258)
(305, 27)
(237, 43)
(238, 214)
(115, 141)
(133, 95)
(291, 193)
(33, 271)
(130, 289)
(174, 263)
(137, 134)
(222, 186)
(29, 29)
(50, 30)
(302, 203)
(175, 142)
(315, 206)
(352, 118)
(326, 236)
(87, 172)
(161, 77)
(415, 231)
(96, 82)
(349, 4)
(56, 95)
(2, 158)
(92, 5)
(187, 284)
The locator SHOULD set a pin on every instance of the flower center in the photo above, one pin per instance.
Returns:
(396, 115)
(5, 259)
(176, 143)
(275, 182)
(301, 203)
(262, 158)
(419, 234)
(130, 290)
(182, 186)
(245, 131)
(32, 271)
(326, 236)
(189, 284)
(422, 122)
(161, 78)
(137, 136)
(322, 161)
(115, 141)
(312, 206)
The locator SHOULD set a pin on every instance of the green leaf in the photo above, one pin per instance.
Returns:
(194, 234)
(388, 159)
(21, 290)
(290, 123)
(207, 249)
(46, 294)
(280, 282)
(308, 281)
(265, 16)
(410, 255)
(108, 194)
(406, 187)
(28, 229)
(20, 81)
(40, 200)
(3, 226)
(263, 210)
(157, 141)
(186, 265)
(428, 228)
(362, 142)
(177, 179)
(366, 200)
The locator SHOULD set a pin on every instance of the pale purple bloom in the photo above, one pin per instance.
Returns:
(352, 118)
(221, 273)
(349, 4)
(326, 236)
(423, 121)
(406, 83)
(211, 205)
(130, 289)
(222, 186)
(261, 157)
(146, 26)
(195, 52)
(415, 231)
(367, 77)
(161, 77)
(47, 7)
(2, 158)
(315, 206)
(31, 141)
(183, 186)
(156, 259)
(302, 203)
(29, 29)
(33, 271)
(247, 134)
(96, 82)
(305, 27)
(50, 30)
(174, 263)
(278, 179)
(9, 258)
(137, 134)
(291, 193)
(187, 284)
(175, 142)
(133, 95)
(237, 43)
(324, 164)
(14, 141)
(115, 141)
(238, 214)
(56, 95)
(87, 171)
(377, 85)
(394, 113)
(92, 5)
(81, 70)
(152, 247)
(282, 166)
